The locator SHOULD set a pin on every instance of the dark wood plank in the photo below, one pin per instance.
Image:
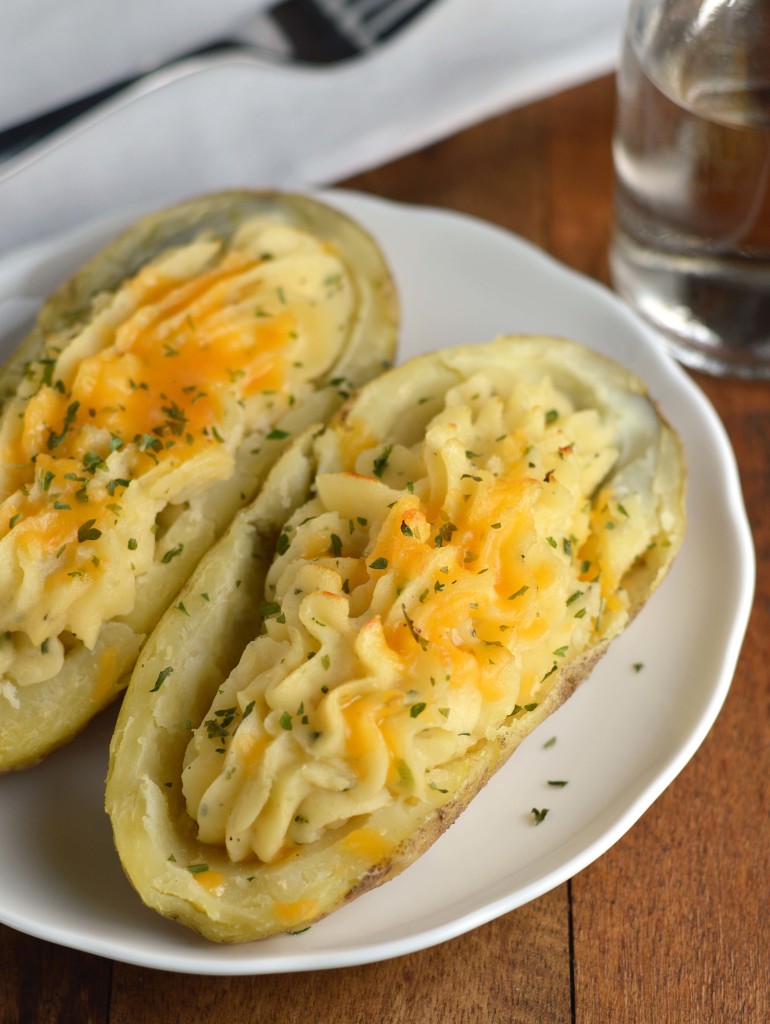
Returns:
(578, 166)
(41, 983)
(495, 974)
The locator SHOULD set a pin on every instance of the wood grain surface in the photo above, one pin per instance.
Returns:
(671, 925)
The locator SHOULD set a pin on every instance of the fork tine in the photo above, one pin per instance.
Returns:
(366, 22)
(309, 33)
(362, 9)
(326, 31)
(343, 16)
(393, 14)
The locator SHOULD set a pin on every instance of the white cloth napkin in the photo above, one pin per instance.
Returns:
(54, 52)
(231, 120)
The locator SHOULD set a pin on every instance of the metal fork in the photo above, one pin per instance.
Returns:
(301, 31)
(326, 31)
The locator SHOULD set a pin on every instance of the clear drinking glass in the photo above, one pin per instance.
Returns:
(691, 249)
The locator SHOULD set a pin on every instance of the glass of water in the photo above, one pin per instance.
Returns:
(691, 248)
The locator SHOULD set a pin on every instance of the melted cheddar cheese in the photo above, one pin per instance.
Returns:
(185, 368)
(418, 601)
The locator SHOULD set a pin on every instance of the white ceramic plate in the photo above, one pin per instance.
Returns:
(619, 741)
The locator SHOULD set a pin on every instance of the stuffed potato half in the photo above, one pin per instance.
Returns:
(143, 410)
(418, 585)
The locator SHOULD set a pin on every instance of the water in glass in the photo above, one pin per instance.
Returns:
(692, 155)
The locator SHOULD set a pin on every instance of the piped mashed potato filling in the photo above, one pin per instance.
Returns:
(419, 600)
(120, 425)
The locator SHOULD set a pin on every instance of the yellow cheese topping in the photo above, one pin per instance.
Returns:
(185, 368)
(420, 600)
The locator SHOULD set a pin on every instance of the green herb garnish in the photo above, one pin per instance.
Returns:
(54, 440)
(382, 460)
(172, 553)
(87, 531)
(415, 632)
(162, 677)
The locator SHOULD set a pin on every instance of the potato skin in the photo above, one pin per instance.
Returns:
(154, 835)
(51, 713)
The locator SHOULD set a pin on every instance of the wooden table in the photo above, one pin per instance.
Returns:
(671, 925)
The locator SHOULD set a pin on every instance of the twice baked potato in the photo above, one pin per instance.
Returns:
(144, 409)
(435, 571)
